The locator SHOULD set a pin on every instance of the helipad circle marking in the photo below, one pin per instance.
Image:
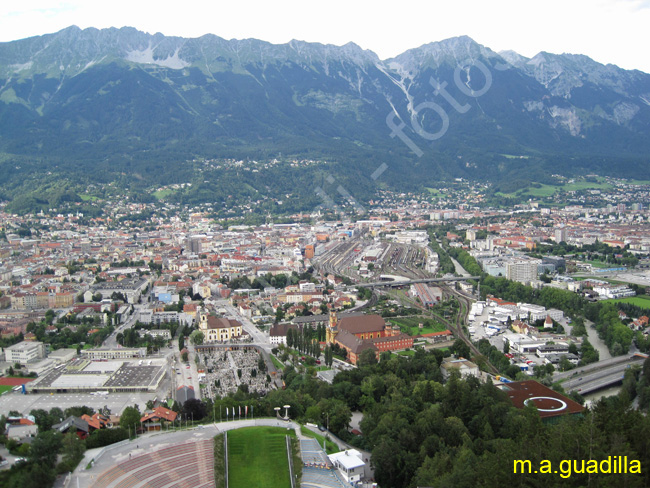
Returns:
(562, 403)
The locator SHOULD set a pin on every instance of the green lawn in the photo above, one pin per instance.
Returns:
(409, 325)
(331, 446)
(5, 388)
(587, 185)
(277, 363)
(409, 353)
(160, 194)
(548, 190)
(257, 456)
(641, 301)
(601, 265)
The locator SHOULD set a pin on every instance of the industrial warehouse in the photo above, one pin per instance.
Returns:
(83, 375)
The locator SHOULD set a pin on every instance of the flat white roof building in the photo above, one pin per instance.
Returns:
(25, 352)
(349, 463)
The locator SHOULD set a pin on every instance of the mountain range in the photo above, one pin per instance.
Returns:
(122, 105)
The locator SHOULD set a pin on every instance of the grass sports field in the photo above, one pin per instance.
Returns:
(642, 301)
(5, 388)
(257, 456)
(543, 190)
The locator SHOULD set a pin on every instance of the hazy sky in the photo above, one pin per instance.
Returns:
(609, 31)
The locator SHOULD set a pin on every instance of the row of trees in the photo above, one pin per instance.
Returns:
(466, 261)
(615, 333)
(445, 264)
(598, 251)
(304, 340)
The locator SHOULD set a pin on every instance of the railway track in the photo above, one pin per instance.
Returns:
(404, 261)
(457, 326)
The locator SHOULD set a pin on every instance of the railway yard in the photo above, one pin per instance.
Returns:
(353, 258)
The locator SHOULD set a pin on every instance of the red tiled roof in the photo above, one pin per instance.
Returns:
(160, 413)
(436, 334)
(362, 324)
(549, 403)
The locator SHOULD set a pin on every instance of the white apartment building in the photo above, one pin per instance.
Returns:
(25, 352)
(522, 270)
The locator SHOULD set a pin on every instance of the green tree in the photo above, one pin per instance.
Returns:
(367, 357)
(461, 349)
(587, 353)
(73, 449)
(197, 337)
(130, 418)
(279, 315)
(46, 446)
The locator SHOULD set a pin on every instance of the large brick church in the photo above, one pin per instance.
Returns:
(356, 334)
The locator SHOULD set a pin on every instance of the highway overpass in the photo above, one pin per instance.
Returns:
(598, 378)
(404, 282)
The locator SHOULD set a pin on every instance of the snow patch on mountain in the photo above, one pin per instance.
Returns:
(398, 78)
(146, 56)
(513, 58)
(624, 112)
(566, 118)
(21, 67)
(532, 105)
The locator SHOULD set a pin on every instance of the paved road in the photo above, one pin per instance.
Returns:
(602, 364)
(599, 378)
(188, 374)
(258, 336)
(596, 341)
(459, 269)
(599, 383)
(110, 341)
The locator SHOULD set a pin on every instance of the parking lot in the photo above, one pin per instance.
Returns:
(116, 402)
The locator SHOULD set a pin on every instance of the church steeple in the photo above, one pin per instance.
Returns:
(203, 319)
(332, 327)
(334, 320)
